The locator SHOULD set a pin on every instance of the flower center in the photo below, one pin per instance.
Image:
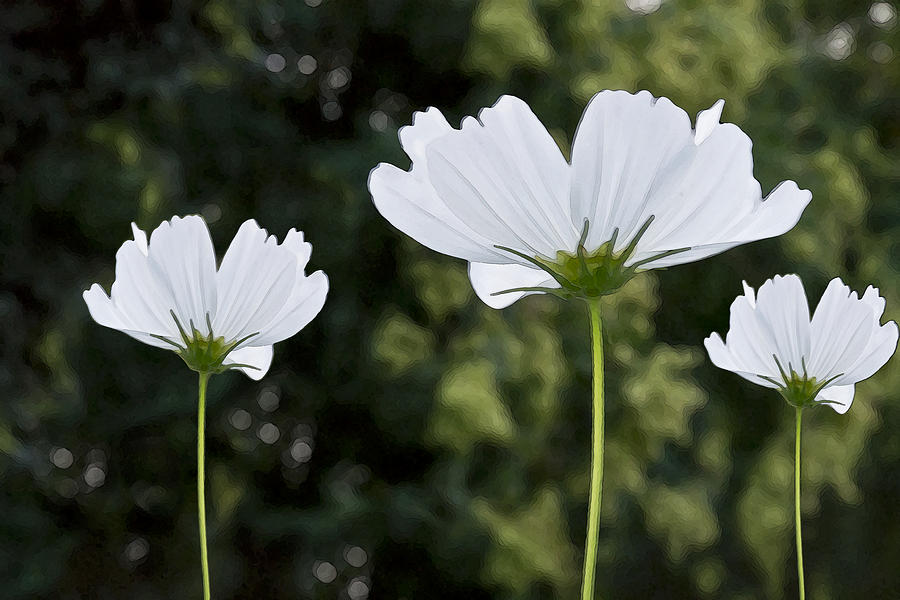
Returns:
(204, 352)
(799, 389)
(589, 275)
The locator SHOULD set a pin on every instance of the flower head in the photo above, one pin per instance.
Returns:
(168, 293)
(643, 190)
(773, 342)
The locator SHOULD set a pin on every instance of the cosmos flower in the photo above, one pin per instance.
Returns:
(773, 342)
(643, 190)
(168, 293)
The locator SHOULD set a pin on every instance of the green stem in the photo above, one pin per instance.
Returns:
(201, 493)
(797, 506)
(593, 530)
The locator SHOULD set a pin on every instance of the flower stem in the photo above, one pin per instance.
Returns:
(201, 493)
(797, 506)
(593, 531)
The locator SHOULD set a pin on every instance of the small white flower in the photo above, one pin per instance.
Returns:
(643, 190)
(169, 294)
(772, 341)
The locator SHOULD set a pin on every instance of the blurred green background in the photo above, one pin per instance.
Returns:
(411, 442)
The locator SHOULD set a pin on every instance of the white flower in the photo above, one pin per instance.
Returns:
(773, 342)
(169, 294)
(641, 180)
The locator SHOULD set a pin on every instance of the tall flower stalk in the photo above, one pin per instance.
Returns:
(201, 481)
(810, 362)
(797, 523)
(597, 432)
(168, 293)
(643, 190)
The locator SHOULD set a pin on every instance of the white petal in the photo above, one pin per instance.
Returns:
(142, 294)
(411, 205)
(750, 342)
(880, 348)
(299, 309)
(426, 127)
(258, 357)
(873, 298)
(105, 313)
(635, 157)
(707, 121)
(621, 145)
(717, 204)
(781, 304)
(409, 202)
(842, 327)
(721, 356)
(255, 280)
(139, 237)
(488, 279)
(842, 395)
(305, 301)
(182, 253)
(506, 179)
(749, 293)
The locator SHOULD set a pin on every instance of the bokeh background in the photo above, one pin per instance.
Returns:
(411, 442)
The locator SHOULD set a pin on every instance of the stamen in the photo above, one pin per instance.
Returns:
(167, 340)
(634, 241)
(234, 345)
(244, 365)
(781, 370)
(559, 278)
(546, 290)
(779, 384)
(644, 261)
(584, 233)
(187, 340)
(825, 383)
(612, 240)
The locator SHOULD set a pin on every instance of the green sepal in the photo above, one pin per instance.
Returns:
(590, 274)
(204, 352)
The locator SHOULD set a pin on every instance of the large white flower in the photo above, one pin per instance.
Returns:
(643, 190)
(773, 342)
(169, 294)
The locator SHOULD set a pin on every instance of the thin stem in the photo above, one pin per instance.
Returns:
(593, 531)
(797, 506)
(201, 493)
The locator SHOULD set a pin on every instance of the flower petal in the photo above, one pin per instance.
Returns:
(781, 304)
(259, 357)
(635, 157)
(841, 395)
(707, 120)
(721, 356)
(182, 252)
(750, 342)
(410, 203)
(305, 302)
(488, 279)
(621, 144)
(505, 177)
(142, 294)
(842, 327)
(106, 313)
(255, 281)
(880, 348)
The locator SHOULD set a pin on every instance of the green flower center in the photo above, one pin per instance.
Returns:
(799, 389)
(204, 352)
(590, 274)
